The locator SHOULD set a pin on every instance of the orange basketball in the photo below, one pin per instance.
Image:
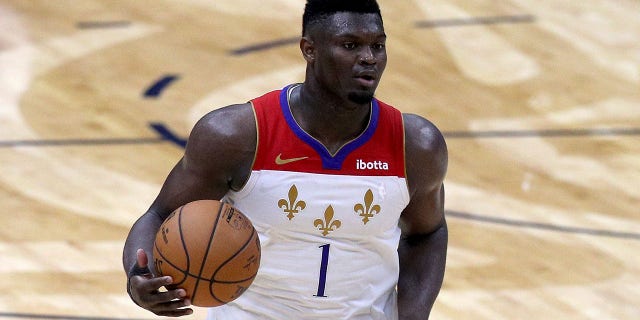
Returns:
(210, 249)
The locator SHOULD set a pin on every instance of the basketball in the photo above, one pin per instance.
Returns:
(210, 249)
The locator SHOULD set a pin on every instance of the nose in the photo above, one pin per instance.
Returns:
(367, 56)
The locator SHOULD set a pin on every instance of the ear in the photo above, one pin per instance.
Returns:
(307, 49)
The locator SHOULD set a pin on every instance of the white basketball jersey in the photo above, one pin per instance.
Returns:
(328, 223)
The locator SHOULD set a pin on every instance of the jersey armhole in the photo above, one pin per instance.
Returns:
(404, 153)
(255, 152)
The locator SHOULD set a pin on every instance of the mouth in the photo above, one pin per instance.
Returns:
(367, 79)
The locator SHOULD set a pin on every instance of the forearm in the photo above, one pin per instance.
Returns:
(142, 235)
(422, 264)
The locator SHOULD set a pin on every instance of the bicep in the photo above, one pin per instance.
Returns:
(426, 161)
(425, 212)
(186, 183)
(218, 155)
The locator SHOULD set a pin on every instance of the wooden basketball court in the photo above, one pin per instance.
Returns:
(539, 102)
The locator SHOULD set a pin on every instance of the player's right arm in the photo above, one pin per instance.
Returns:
(218, 157)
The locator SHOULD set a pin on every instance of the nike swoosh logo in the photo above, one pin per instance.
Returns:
(280, 161)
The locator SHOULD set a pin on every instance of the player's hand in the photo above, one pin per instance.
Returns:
(144, 290)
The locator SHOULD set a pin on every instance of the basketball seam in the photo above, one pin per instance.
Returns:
(206, 254)
(175, 266)
(184, 244)
(244, 246)
(193, 275)
(212, 281)
(185, 272)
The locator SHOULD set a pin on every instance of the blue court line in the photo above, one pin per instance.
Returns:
(264, 46)
(77, 142)
(164, 134)
(103, 24)
(156, 88)
(551, 133)
(527, 18)
(55, 317)
(167, 134)
(542, 226)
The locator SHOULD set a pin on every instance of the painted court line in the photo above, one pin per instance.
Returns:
(543, 226)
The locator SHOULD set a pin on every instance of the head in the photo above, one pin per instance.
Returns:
(343, 43)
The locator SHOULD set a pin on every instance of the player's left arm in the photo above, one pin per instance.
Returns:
(423, 245)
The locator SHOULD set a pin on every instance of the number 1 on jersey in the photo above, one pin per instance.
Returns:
(322, 280)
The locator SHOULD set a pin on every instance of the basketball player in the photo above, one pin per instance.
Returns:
(345, 191)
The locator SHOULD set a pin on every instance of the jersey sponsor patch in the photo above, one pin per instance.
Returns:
(371, 165)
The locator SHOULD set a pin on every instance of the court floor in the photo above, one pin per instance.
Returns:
(539, 102)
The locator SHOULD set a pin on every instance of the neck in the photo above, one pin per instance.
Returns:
(332, 121)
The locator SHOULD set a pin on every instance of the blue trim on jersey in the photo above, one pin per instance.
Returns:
(332, 162)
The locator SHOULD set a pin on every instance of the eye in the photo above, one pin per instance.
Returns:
(379, 46)
(349, 45)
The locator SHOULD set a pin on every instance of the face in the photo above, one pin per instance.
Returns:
(348, 55)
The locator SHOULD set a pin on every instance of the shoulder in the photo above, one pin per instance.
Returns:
(230, 124)
(223, 144)
(425, 151)
(422, 134)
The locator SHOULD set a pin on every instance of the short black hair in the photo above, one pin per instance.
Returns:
(317, 10)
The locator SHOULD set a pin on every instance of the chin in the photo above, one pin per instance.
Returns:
(360, 97)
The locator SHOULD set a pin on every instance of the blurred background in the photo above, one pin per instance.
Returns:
(539, 102)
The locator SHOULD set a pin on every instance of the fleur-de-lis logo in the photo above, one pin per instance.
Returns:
(292, 206)
(328, 224)
(368, 210)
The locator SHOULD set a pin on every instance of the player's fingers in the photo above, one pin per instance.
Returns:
(142, 259)
(166, 306)
(172, 298)
(141, 268)
(142, 284)
(168, 303)
(175, 313)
